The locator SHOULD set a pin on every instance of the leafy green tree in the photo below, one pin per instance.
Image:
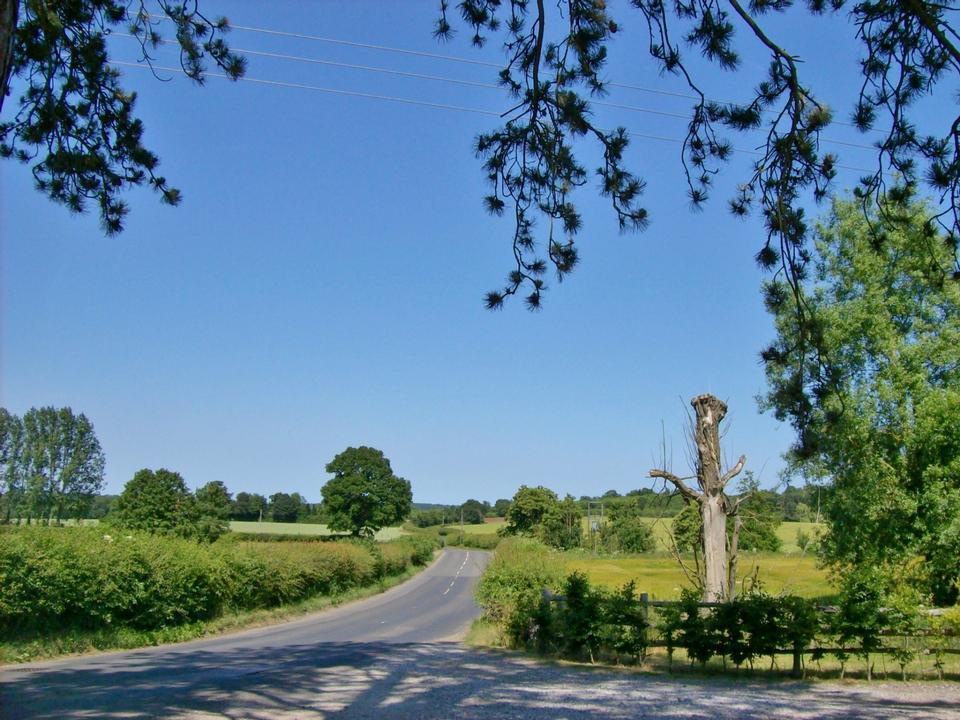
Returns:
(156, 501)
(364, 495)
(473, 511)
(627, 531)
(62, 464)
(214, 499)
(501, 506)
(213, 508)
(560, 526)
(528, 508)
(74, 123)
(284, 507)
(877, 411)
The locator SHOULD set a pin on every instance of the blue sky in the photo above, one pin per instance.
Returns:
(321, 284)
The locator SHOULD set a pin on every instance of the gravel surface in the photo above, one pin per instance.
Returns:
(392, 657)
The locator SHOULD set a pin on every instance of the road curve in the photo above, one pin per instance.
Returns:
(394, 657)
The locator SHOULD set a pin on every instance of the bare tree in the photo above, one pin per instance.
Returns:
(715, 506)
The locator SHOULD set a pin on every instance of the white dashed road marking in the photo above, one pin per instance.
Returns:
(462, 566)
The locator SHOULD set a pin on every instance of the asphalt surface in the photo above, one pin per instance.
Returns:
(397, 656)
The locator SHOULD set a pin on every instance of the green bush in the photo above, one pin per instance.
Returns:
(512, 585)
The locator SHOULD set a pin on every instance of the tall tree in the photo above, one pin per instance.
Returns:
(364, 495)
(877, 412)
(74, 124)
(712, 500)
(63, 463)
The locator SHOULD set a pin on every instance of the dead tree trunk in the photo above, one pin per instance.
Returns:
(715, 506)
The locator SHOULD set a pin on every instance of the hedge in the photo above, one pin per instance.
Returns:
(54, 578)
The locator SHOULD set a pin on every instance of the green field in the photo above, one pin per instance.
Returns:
(487, 528)
(252, 526)
(660, 576)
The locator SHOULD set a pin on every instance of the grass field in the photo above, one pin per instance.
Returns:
(252, 526)
(660, 576)
(487, 528)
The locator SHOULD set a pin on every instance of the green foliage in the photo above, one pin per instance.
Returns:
(578, 625)
(156, 501)
(472, 512)
(512, 585)
(51, 464)
(759, 515)
(627, 531)
(536, 512)
(876, 410)
(528, 508)
(284, 507)
(560, 526)
(213, 510)
(364, 494)
(75, 124)
(53, 578)
(248, 506)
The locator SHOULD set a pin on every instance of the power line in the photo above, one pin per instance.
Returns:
(456, 81)
(391, 98)
(468, 61)
(316, 88)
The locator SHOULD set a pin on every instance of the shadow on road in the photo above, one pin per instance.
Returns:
(421, 681)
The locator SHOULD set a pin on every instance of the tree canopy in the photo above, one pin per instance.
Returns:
(876, 413)
(364, 495)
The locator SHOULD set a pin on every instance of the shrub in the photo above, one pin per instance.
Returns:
(512, 585)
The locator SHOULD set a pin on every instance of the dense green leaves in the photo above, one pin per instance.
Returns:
(536, 512)
(876, 410)
(51, 464)
(364, 494)
(156, 501)
(53, 578)
(627, 530)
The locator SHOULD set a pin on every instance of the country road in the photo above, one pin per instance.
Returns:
(396, 656)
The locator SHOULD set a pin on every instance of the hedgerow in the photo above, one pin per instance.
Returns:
(526, 595)
(83, 578)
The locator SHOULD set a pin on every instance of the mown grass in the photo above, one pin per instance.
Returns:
(659, 574)
(311, 529)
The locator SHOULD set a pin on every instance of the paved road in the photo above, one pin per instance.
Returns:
(395, 656)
